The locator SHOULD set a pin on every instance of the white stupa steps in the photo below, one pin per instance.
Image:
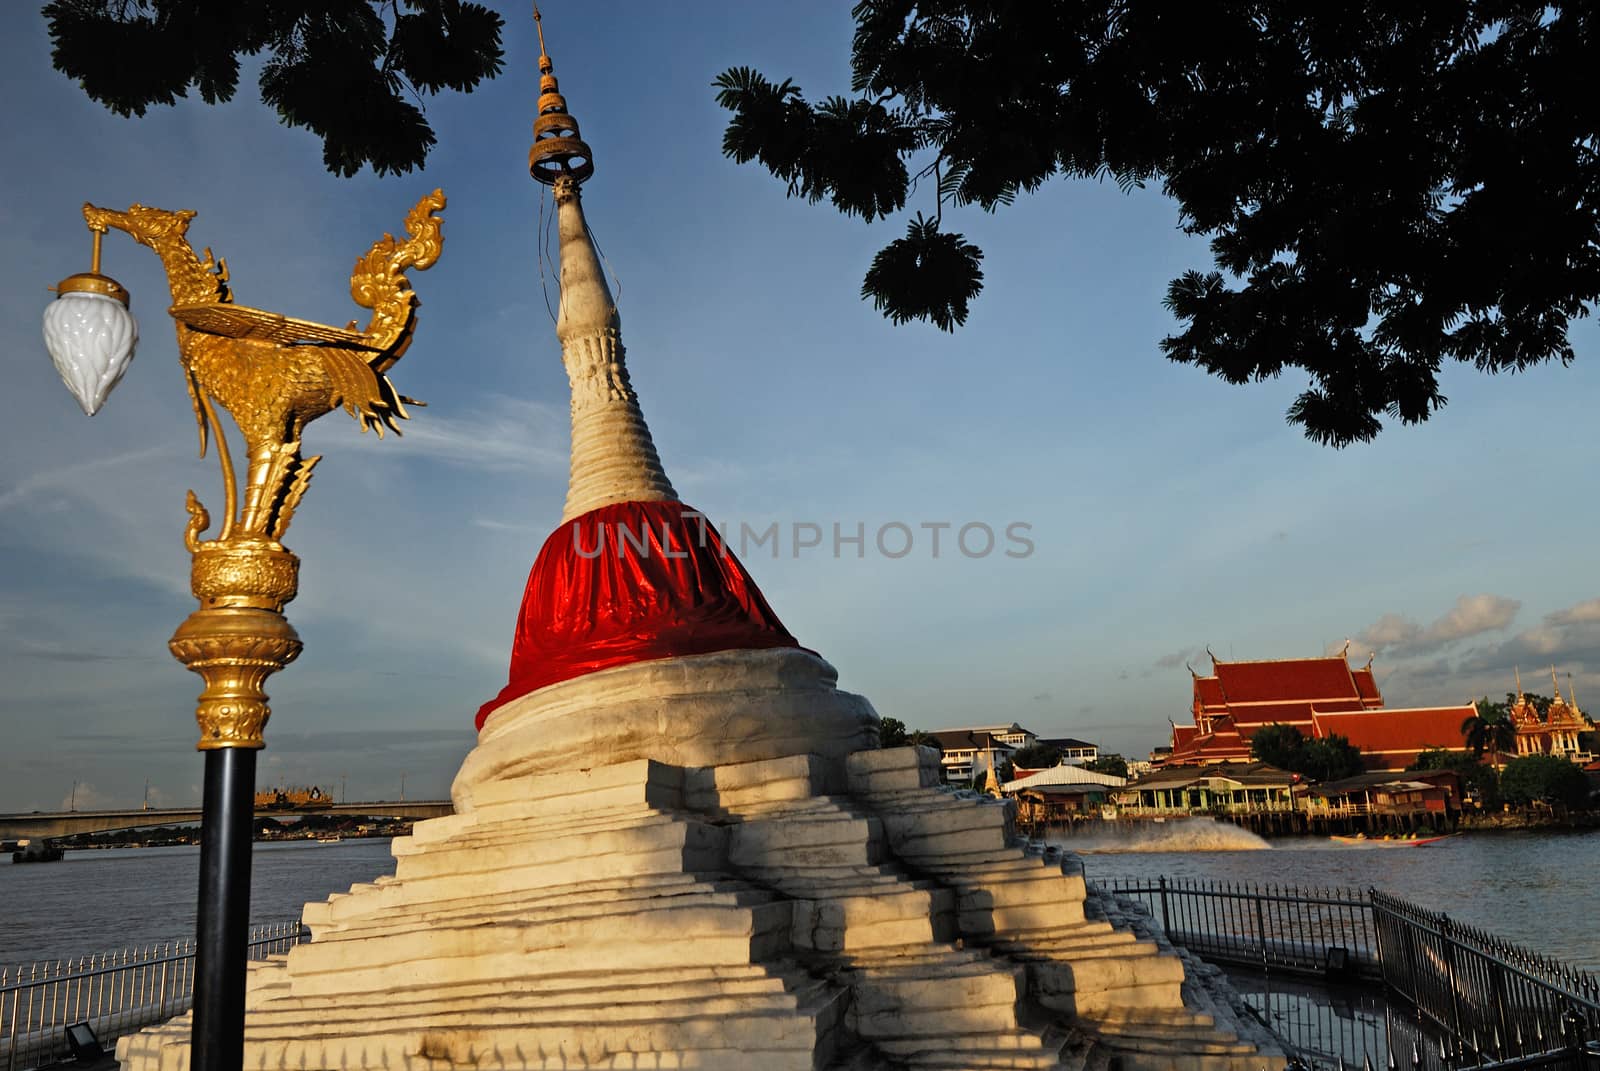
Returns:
(797, 913)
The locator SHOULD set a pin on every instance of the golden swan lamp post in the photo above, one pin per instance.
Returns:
(273, 374)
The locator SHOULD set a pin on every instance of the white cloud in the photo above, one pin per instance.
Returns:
(1176, 658)
(85, 797)
(1472, 615)
(70, 479)
(501, 526)
(1568, 638)
(504, 434)
(1583, 612)
(1389, 631)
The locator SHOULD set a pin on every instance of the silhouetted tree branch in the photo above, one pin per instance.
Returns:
(1386, 187)
(342, 69)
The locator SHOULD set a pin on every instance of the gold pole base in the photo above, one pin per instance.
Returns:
(259, 573)
(234, 649)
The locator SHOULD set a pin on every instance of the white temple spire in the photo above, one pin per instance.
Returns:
(613, 456)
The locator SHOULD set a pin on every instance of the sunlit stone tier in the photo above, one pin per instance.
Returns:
(804, 912)
(702, 710)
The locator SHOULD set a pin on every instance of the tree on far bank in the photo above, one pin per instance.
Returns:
(1545, 778)
(1386, 188)
(347, 70)
(1477, 779)
(1327, 758)
(1111, 763)
(1540, 703)
(892, 733)
(1495, 711)
(1330, 758)
(1490, 730)
(1277, 745)
(1036, 757)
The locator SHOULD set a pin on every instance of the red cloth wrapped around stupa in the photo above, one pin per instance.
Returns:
(631, 582)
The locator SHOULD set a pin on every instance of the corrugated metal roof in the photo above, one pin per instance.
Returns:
(1066, 775)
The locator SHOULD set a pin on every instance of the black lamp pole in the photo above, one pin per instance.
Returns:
(227, 819)
(244, 575)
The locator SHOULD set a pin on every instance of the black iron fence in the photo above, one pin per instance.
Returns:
(1313, 931)
(1498, 1002)
(1477, 1003)
(114, 993)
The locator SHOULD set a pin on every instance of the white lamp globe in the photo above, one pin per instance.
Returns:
(91, 337)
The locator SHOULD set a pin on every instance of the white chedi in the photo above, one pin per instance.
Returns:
(91, 339)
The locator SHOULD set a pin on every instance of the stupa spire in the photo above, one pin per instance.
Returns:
(613, 457)
(632, 576)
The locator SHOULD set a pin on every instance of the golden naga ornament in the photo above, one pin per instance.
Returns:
(273, 374)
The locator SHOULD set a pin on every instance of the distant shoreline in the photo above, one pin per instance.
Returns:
(1494, 823)
(189, 836)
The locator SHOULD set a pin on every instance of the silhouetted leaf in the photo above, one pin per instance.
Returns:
(927, 275)
(440, 45)
(334, 67)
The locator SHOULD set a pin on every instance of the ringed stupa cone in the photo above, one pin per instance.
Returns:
(640, 633)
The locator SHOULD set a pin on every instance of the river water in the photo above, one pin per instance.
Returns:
(1536, 889)
(103, 900)
(1532, 888)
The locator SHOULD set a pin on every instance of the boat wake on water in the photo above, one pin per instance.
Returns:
(1176, 835)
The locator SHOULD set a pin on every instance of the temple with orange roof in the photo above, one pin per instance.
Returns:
(1321, 697)
(1557, 732)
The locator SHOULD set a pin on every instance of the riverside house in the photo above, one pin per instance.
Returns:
(1415, 794)
(1074, 752)
(1060, 793)
(1218, 789)
(969, 751)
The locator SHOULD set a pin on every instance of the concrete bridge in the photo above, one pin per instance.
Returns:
(41, 825)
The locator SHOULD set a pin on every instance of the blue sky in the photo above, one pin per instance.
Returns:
(1166, 510)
